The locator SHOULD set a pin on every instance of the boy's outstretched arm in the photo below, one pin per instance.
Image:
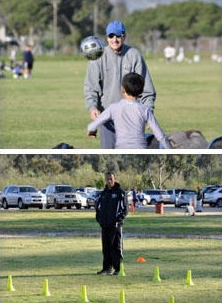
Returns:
(101, 119)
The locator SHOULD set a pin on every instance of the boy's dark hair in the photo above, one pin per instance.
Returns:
(133, 84)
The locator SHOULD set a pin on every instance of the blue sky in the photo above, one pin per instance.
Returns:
(140, 4)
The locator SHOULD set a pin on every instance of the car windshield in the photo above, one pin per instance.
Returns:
(211, 190)
(188, 192)
(64, 189)
(83, 195)
(27, 189)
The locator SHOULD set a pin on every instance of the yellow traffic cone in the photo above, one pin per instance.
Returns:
(9, 284)
(189, 278)
(45, 289)
(156, 277)
(121, 272)
(171, 299)
(84, 294)
(122, 296)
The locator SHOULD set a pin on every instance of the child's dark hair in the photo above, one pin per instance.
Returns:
(133, 84)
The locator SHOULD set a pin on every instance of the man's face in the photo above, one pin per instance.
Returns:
(110, 180)
(115, 42)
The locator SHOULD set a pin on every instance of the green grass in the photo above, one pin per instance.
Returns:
(71, 262)
(49, 108)
(84, 222)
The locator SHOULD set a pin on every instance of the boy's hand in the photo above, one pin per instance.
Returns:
(94, 113)
(92, 134)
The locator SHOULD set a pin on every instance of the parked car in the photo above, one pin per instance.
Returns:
(185, 197)
(165, 198)
(22, 196)
(93, 198)
(173, 194)
(213, 196)
(59, 195)
(154, 195)
(86, 190)
(208, 189)
(82, 198)
(2, 194)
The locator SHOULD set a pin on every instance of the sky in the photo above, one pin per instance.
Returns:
(141, 4)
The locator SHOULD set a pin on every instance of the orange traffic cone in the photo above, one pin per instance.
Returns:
(140, 259)
(132, 208)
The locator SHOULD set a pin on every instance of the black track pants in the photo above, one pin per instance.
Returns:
(112, 247)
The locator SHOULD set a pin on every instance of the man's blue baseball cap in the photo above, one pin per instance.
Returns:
(115, 27)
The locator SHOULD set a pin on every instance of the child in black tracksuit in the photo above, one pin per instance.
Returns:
(111, 210)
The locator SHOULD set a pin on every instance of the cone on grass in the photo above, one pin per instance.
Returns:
(121, 271)
(172, 299)
(140, 259)
(122, 296)
(189, 278)
(45, 289)
(84, 297)
(156, 277)
(9, 284)
(132, 208)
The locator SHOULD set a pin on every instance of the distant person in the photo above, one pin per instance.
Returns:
(12, 57)
(180, 57)
(111, 210)
(104, 76)
(169, 52)
(17, 70)
(130, 117)
(135, 198)
(28, 61)
(140, 196)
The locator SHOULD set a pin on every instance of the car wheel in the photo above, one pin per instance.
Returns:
(47, 206)
(41, 207)
(78, 206)
(89, 206)
(20, 204)
(153, 201)
(5, 204)
(219, 203)
(69, 207)
(212, 204)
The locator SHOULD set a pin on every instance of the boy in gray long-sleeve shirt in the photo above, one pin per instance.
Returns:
(130, 117)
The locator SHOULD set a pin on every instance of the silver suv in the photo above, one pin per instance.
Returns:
(213, 196)
(61, 195)
(22, 196)
(155, 195)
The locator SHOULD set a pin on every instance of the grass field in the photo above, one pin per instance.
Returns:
(49, 108)
(84, 222)
(70, 262)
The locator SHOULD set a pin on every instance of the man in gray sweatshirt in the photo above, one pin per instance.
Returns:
(103, 79)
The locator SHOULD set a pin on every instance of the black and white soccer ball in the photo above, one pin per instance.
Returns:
(92, 47)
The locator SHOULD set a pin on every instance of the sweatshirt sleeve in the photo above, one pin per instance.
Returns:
(92, 85)
(149, 94)
(105, 116)
(157, 130)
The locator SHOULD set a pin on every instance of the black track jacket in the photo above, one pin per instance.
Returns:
(111, 208)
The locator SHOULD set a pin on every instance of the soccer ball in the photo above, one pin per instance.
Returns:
(92, 47)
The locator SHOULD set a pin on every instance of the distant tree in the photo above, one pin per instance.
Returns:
(26, 17)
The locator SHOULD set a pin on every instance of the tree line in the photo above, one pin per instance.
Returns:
(81, 18)
(132, 171)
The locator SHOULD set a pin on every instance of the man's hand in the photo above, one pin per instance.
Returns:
(94, 113)
(92, 134)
